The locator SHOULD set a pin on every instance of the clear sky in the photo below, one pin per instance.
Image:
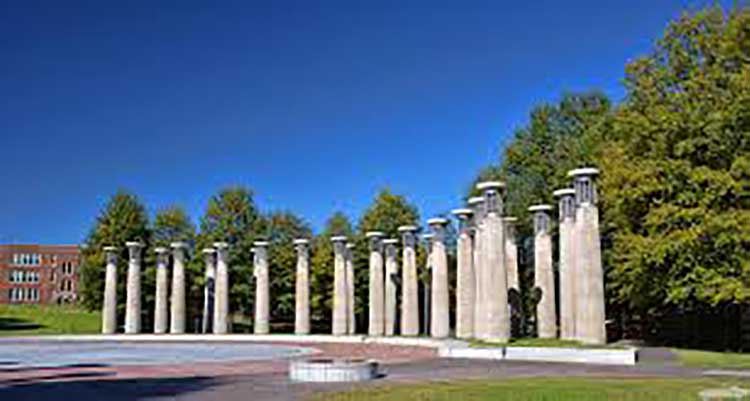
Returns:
(313, 105)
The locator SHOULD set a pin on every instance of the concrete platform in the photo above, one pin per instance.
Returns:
(624, 357)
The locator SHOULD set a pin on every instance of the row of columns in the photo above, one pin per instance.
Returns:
(169, 311)
(487, 269)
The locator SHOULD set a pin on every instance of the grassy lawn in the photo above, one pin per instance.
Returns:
(17, 320)
(708, 359)
(538, 389)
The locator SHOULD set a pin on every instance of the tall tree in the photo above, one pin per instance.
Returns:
(232, 216)
(282, 229)
(123, 219)
(676, 182)
(321, 269)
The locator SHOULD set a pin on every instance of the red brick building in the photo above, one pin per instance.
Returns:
(39, 274)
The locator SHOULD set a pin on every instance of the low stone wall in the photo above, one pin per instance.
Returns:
(626, 357)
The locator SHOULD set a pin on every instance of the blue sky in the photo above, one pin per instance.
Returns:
(314, 105)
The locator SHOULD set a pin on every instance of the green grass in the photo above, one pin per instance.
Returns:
(538, 342)
(538, 389)
(708, 359)
(18, 320)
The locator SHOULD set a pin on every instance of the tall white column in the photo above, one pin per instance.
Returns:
(465, 278)
(440, 303)
(480, 297)
(221, 291)
(340, 288)
(409, 286)
(302, 288)
(350, 287)
(427, 301)
(376, 319)
(568, 277)
(177, 315)
(161, 310)
(260, 272)
(133, 295)
(109, 307)
(589, 259)
(544, 277)
(391, 276)
(209, 258)
(511, 252)
(495, 277)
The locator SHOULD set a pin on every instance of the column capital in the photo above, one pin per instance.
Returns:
(301, 241)
(260, 244)
(178, 245)
(566, 202)
(338, 238)
(583, 172)
(584, 185)
(109, 249)
(408, 229)
(541, 218)
(374, 234)
(208, 251)
(350, 245)
(390, 241)
(134, 244)
(221, 246)
(493, 196)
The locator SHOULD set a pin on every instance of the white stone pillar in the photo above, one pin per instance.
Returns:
(350, 287)
(221, 291)
(109, 307)
(566, 266)
(511, 253)
(376, 317)
(209, 257)
(465, 278)
(409, 285)
(302, 288)
(589, 259)
(161, 309)
(480, 298)
(495, 277)
(544, 276)
(262, 301)
(177, 315)
(133, 294)
(427, 301)
(340, 288)
(391, 277)
(439, 301)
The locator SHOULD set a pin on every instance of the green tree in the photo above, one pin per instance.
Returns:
(232, 216)
(281, 231)
(170, 224)
(675, 183)
(123, 219)
(321, 269)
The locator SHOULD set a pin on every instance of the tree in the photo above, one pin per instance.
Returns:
(232, 216)
(171, 224)
(321, 268)
(123, 219)
(675, 179)
(282, 229)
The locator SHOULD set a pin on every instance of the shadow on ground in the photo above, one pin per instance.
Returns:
(12, 323)
(90, 389)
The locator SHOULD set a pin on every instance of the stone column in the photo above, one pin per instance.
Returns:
(427, 300)
(352, 318)
(589, 260)
(209, 256)
(221, 291)
(511, 253)
(440, 327)
(494, 279)
(177, 315)
(161, 314)
(260, 272)
(133, 294)
(376, 319)
(409, 286)
(480, 298)
(566, 266)
(544, 277)
(340, 288)
(391, 277)
(109, 307)
(465, 278)
(302, 288)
